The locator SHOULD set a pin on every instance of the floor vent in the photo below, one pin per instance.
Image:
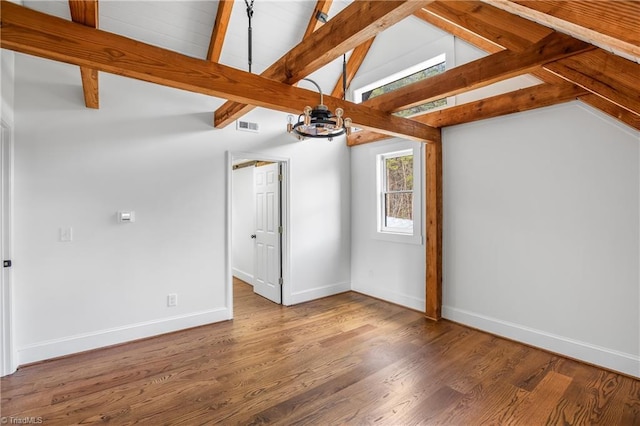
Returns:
(247, 126)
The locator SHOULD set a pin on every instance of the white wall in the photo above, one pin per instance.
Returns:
(541, 223)
(391, 271)
(6, 86)
(8, 360)
(541, 235)
(243, 224)
(153, 150)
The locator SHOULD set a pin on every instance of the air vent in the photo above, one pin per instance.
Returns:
(247, 126)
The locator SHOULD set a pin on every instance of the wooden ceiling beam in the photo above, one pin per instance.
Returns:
(611, 25)
(34, 33)
(493, 29)
(85, 12)
(487, 28)
(538, 96)
(356, 24)
(489, 23)
(526, 99)
(458, 31)
(353, 65)
(607, 75)
(613, 110)
(481, 72)
(219, 32)
(235, 110)
(477, 21)
(322, 6)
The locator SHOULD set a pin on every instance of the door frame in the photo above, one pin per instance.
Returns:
(8, 356)
(285, 165)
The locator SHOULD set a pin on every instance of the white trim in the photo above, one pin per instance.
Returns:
(593, 354)
(285, 164)
(8, 355)
(440, 58)
(242, 275)
(113, 336)
(389, 295)
(319, 292)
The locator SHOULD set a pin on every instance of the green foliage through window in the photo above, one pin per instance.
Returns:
(405, 81)
(398, 189)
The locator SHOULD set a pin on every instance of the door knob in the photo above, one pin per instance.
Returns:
(253, 236)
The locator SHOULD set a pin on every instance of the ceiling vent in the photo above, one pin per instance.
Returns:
(247, 126)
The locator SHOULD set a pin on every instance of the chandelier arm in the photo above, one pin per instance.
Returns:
(319, 89)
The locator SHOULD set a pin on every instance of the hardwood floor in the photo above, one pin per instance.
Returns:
(347, 359)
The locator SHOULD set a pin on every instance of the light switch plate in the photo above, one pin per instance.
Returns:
(126, 216)
(66, 234)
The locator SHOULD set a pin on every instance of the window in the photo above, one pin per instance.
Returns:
(416, 73)
(396, 192)
(399, 193)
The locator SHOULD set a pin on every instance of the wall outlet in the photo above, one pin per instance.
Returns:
(172, 300)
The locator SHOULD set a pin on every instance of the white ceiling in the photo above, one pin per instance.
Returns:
(185, 27)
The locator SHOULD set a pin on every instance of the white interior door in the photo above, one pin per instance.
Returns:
(6, 342)
(268, 264)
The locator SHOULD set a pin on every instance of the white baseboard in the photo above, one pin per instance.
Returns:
(244, 276)
(411, 302)
(318, 292)
(592, 354)
(87, 341)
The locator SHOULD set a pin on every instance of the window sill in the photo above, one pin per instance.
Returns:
(398, 238)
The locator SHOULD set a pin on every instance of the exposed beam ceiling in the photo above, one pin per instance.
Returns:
(353, 65)
(219, 31)
(481, 72)
(235, 110)
(322, 6)
(519, 35)
(481, 20)
(613, 110)
(477, 20)
(356, 24)
(613, 79)
(508, 103)
(85, 12)
(611, 25)
(42, 35)
(609, 76)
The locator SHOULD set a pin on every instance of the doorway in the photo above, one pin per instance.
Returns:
(7, 356)
(257, 224)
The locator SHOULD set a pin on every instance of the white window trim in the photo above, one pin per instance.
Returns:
(357, 93)
(418, 197)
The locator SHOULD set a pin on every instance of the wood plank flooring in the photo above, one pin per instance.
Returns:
(343, 360)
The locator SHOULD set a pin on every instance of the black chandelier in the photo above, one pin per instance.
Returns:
(319, 122)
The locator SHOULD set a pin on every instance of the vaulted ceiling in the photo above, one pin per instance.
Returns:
(586, 50)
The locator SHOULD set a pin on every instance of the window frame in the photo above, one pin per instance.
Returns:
(380, 154)
(436, 60)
